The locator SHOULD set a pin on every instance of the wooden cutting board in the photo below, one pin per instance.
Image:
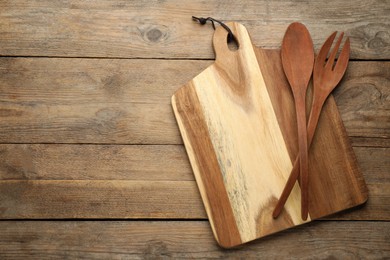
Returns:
(238, 123)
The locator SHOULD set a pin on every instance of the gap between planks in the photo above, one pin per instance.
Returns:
(143, 58)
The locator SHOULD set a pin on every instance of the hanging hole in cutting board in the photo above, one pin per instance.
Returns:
(232, 44)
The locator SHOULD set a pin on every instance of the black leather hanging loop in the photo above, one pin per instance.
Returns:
(203, 21)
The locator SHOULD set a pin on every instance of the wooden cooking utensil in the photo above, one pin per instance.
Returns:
(298, 59)
(326, 76)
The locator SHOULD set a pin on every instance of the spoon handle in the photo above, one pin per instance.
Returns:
(303, 153)
(311, 128)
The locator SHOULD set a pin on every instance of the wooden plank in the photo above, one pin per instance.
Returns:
(376, 208)
(99, 199)
(374, 163)
(34, 182)
(360, 141)
(365, 100)
(163, 29)
(132, 162)
(186, 239)
(136, 199)
(124, 101)
(90, 100)
(94, 162)
(65, 81)
(82, 199)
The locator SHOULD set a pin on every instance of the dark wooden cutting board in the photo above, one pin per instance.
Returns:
(238, 123)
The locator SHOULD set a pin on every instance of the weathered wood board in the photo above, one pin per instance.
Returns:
(238, 124)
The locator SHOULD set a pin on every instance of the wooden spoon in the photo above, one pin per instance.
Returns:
(298, 60)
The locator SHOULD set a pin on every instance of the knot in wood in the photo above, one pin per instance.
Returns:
(154, 34)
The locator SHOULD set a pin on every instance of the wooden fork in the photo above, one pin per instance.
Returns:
(326, 76)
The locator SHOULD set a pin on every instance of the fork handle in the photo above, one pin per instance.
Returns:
(314, 116)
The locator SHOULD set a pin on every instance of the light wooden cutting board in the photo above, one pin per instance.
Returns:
(238, 123)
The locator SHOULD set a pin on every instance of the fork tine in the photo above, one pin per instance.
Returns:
(321, 57)
(332, 55)
(342, 62)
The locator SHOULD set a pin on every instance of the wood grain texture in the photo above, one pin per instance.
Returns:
(163, 29)
(133, 162)
(237, 109)
(82, 199)
(52, 199)
(324, 81)
(235, 113)
(89, 100)
(28, 166)
(183, 240)
(94, 162)
(205, 166)
(333, 167)
(82, 102)
(370, 97)
(124, 102)
(370, 142)
(297, 55)
(335, 181)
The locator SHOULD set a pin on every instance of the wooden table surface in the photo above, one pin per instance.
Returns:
(91, 159)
